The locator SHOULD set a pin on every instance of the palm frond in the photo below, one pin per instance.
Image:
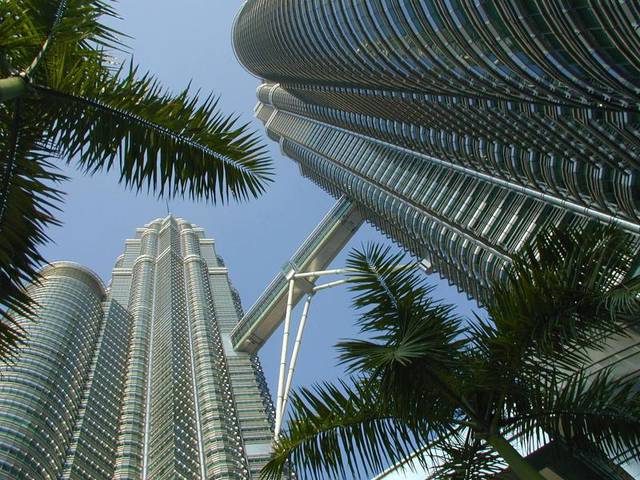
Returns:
(423, 330)
(566, 294)
(462, 456)
(18, 35)
(414, 345)
(27, 198)
(81, 22)
(392, 294)
(30, 29)
(340, 429)
(69, 24)
(582, 411)
(171, 144)
(381, 278)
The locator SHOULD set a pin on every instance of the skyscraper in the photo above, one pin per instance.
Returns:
(458, 128)
(137, 380)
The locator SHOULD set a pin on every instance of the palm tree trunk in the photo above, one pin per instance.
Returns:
(517, 463)
(11, 87)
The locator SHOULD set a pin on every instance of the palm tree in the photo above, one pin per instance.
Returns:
(62, 95)
(422, 376)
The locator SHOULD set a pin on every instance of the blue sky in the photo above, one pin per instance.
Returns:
(191, 41)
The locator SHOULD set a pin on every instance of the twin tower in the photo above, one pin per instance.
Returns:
(137, 380)
(458, 128)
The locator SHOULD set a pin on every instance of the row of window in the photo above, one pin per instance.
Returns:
(530, 50)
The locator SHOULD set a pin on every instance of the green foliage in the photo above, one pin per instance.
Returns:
(77, 103)
(28, 200)
(421, 376)
(333, 425)
(585, 410)
(462, 456)
(566, 291)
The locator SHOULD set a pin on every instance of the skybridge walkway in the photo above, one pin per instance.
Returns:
(315, 254)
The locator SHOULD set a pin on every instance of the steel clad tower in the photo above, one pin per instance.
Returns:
(137, 380)
(459, 128)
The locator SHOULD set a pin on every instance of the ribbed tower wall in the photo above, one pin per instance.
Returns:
(459, 128)
(42, 389)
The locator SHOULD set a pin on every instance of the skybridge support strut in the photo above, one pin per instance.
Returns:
(284, 386)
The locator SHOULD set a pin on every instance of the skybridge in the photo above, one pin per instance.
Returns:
(315, 254)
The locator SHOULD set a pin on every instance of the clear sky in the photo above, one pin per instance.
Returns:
(191, 41)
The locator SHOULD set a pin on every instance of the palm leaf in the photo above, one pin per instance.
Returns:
(335, 430)
(27, 197)
(423, 330)
(583, 411)
(19, 37)
(566, 294)
(170, 144)
(462, 456)
(381, 278)
(76, 24)
(415, 344)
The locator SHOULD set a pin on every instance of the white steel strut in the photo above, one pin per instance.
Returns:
(285, 386)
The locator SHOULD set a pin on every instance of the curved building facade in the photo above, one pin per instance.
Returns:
(41, 394)
(459, 127)
(138, 381)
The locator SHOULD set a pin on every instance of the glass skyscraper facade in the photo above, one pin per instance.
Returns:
(137, 380)
(459, 128)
